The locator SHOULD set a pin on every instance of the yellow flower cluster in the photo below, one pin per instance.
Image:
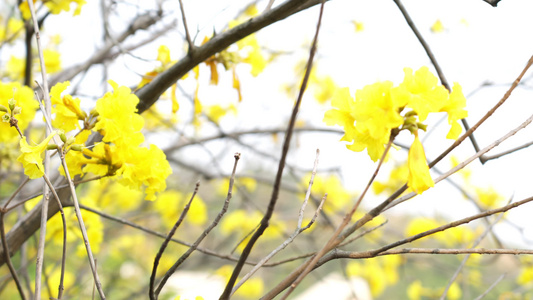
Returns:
(23, 96)
(55, 7)
(120, 153)
(380, 272)
(416, 291)
(381, 110)
(66, 109)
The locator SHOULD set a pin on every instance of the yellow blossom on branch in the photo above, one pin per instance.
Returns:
(455, 109)
(381, 111)
(55, 7)
(419, 178)
(23, 96)
(426, 95)
(31, 157)
(118, 120)
(66, 109)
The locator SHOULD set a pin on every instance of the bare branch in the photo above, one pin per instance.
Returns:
(215, 222)
(286, 143)
(151, 92)
(167, 240)
(296, 232)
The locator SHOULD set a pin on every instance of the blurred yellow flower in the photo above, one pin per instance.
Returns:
(359, 26)
(419, 225)
(52, 61)
(15, 68)
(397, 177)
(338, 197)
(437, 27)
(170, 205)
(489, 198)
(379, 272)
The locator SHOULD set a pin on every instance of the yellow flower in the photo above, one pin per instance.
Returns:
(454, 292)
(338, 196)
(419, 178)
(58, 6)
(163, 55)
(375, 112)
(437, 27)
(31, 157)
(66, 109)
(145, 166)
(15, 68)
(324, 88)
(252, 289)
(216, 112)
(170, 205)
(359, 26)
(10, 32)
(397, 178)
(24, 97)
(253, 57)
(118, 119)
(426, 93)
(379, 272)
(455, 109)
(52, 60)
(526, 275)
(489, 198)
(415, 290)
(420, 225)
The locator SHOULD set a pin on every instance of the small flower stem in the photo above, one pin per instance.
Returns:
(83, 230)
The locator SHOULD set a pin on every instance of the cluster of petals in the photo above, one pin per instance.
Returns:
(121, 153)
(381, 110)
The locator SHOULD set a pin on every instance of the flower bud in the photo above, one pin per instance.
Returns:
(3, 108)
(70, 140)
(17, 110)
(52, 147)
(63, 136)
(76, 147)
(6, 118)
(421, 126)
(11, 102)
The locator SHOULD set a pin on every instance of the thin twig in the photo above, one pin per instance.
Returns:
(8, 258)
(83, 229)
(275, 191)
(434, 62)
(384, 250)
(46, 195)
(481, 251)
(486, 116)
(493, 285)
(465, 259)
(467, 161)
(215, 222)
(167, 240)
(57, 188)
(60, 288)
(296, 232)
(496, 156)
(151, 92)
(187, 35)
